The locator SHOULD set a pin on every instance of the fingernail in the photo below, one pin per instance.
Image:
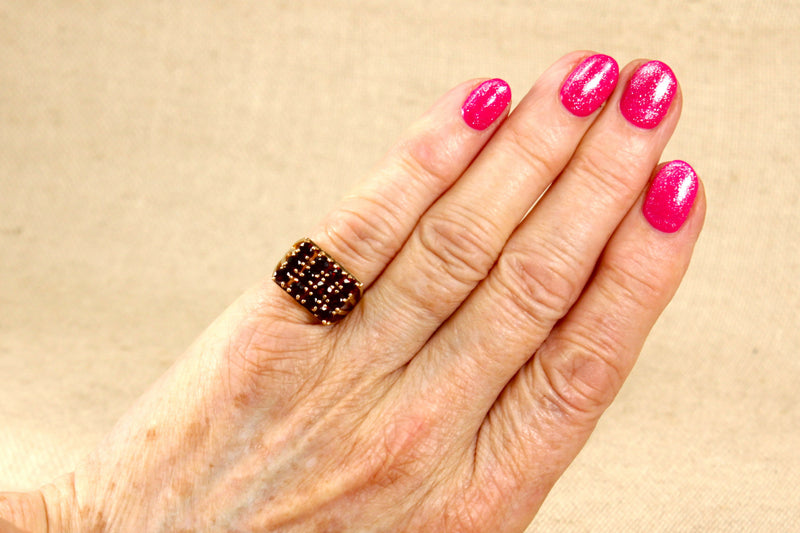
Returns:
(486, 103)
(649, 92)
(671, 196)
(589, 85)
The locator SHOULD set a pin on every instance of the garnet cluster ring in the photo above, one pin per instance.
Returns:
(317, 282)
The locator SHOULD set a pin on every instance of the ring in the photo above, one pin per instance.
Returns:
(317, 282)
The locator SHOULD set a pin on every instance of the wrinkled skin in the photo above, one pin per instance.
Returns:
(455, 394)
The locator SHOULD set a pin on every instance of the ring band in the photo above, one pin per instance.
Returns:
(317, 282)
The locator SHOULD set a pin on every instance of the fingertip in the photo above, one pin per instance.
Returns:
(670, 196)
(486, 103)
(649, 95)
(589, 84)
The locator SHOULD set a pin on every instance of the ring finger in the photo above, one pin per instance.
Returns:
(368, 228)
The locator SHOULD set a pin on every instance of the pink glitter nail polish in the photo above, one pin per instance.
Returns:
(649, 92)
(486, 103)
(589, 84)
(670, 196)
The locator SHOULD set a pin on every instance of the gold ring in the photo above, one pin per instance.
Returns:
(317, 282)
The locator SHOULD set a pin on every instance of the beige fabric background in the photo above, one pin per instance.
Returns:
(157, 158)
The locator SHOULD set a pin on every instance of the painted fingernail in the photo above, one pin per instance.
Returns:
(671, 196)
(486, 103)
(589, 85)
(649, 92)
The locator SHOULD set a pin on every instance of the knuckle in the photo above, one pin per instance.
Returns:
(633, 280)
(583, 373)
(542, 159)
(366, 229)
(609, 174)
(401, 453)
(429, 158)
(539, 286)
(459, 244)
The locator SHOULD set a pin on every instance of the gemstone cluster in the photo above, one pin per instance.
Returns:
(317, 282)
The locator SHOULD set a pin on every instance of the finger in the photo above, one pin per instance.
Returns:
(370, 225)
(458, 239)
(548, 260)
(547, 412)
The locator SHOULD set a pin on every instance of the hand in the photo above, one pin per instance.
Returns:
(487, 345)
